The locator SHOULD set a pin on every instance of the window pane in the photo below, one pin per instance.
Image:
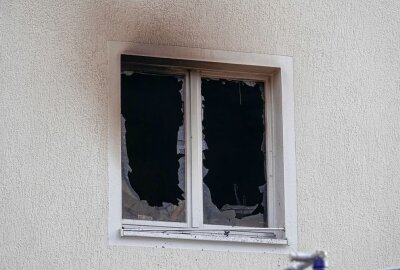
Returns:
(153, 147)
(233, 153)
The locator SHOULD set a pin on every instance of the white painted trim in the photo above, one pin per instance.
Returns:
(114, 145)
(275, 246)
(188, 151)
(268, 126)
(197, 154)
(206, 227)
(197, 54)
(154, 223)
(242, 228)
(233, 75)
(284, 164)
(198, 236)
(289, 150)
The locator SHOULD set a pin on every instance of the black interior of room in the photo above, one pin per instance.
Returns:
(233, 129)
(152, 108)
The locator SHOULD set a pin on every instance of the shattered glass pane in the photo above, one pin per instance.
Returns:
(152, 147)
(234, 185)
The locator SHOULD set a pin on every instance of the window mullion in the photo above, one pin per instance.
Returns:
(188, 151)
(196, 149)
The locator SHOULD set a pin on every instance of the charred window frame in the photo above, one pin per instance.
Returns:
(194, 225)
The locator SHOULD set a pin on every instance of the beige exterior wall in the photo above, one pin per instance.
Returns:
(53, 125)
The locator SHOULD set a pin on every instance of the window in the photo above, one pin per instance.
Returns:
(201, 148)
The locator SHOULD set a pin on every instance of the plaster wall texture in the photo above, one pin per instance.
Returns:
(53, 135)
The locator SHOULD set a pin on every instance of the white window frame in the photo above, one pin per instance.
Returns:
(277, 74)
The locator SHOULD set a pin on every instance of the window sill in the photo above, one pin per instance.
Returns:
(205, 237)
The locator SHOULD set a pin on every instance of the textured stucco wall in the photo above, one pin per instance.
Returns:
(53, 124)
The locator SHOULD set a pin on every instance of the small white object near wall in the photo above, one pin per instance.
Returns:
(277, 74)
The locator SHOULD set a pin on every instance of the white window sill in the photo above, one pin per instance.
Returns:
(203, 236)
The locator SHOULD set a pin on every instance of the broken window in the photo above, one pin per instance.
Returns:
(153, 147)
(201, 146)
(233, 153)
(196, 151)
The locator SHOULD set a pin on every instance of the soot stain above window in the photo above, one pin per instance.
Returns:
(233, 130)
(152, 108)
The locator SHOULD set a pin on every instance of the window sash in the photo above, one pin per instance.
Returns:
(193, 152)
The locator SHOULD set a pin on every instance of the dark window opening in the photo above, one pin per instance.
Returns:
(233, 152)
(152, 116)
